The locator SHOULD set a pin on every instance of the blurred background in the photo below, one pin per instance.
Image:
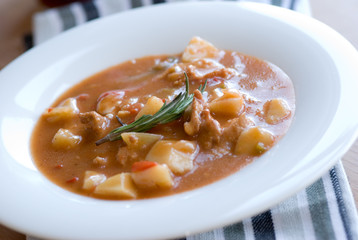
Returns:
(16, 21)
(16, 37)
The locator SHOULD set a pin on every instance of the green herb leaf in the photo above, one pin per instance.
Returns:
(167, 113)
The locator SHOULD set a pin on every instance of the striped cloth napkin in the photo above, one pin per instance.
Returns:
(324, 210)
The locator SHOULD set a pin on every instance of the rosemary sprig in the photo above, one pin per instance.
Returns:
(167, 113)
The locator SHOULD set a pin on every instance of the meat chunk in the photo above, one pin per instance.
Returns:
(210, 130)
(202, 123)
(126, 155)
(94, 124)
(202, 69)
(193, 126)
(199, 71)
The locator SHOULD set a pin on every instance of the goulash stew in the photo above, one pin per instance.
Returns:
(161, 125)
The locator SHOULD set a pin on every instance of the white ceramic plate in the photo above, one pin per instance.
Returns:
(321, 63)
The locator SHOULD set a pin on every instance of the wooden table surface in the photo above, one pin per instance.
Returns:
(15, 22)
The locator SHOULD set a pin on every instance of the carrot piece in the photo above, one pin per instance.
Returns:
(142, 165)
(59, 166)
(72, 180)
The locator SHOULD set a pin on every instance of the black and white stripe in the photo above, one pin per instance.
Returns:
(263, 226)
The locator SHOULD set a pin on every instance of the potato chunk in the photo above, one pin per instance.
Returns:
(199, 48)
(230, 103)
(276, 111)
(177, 155)
(139, 140)
(254, 141)
(147, 174)
(64, 139)
(66, 110)
(92, 179)
(151, 107)
(120, 185)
